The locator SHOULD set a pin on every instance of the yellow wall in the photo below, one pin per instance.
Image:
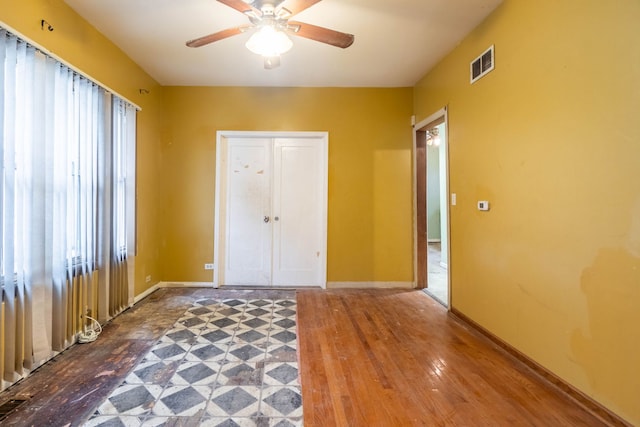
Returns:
(551, 138)
(79, 44)
(369, 230)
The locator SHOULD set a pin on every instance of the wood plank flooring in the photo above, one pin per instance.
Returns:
(367, 358)
(396, 358)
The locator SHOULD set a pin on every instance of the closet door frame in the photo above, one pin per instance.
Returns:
(222, 140)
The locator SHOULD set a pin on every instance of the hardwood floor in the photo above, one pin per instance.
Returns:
(396, 358)
(367, 358)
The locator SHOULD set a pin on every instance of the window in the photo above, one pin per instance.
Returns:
(67, 162)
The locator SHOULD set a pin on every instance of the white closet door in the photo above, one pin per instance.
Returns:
(248, 212)
(298, 206)
(271, 209)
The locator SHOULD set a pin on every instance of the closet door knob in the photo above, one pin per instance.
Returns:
(266, 219)
(277, 218)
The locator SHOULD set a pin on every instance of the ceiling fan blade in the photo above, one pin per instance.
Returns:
(321, 34)
(241, 6)
(218, 36)
(293, 7)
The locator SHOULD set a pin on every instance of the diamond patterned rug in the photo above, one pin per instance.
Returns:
(224, 363)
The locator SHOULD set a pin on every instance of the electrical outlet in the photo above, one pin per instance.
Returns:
(208, 266)
(147, 279)
(483, 205)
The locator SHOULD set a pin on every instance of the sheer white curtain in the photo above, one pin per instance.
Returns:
(124, 129)
(77, 140)
(60, 204)
(21, 174)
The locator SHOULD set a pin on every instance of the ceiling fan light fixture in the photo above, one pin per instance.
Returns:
(271, 62)
(433, 137)
(269, 42)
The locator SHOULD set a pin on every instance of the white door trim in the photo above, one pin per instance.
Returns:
(221, 145)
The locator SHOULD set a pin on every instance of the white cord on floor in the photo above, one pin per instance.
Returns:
(90, 335)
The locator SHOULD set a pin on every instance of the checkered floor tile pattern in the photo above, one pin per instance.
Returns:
(224, 363)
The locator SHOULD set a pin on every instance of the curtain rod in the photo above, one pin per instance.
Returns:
(76, 70)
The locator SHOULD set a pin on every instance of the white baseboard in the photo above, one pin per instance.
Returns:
(330, 285)
(145, 294)
(371, 285)
(434, 240)
(185, 284)
(160, 285)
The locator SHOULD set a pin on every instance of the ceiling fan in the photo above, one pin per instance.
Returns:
(271, 25)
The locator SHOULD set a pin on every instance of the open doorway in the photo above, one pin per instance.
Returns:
(432, 228)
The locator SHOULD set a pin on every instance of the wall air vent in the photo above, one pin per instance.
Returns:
(482, 64)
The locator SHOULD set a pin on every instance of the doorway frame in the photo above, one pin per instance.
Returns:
(441, 113)
(222, 138)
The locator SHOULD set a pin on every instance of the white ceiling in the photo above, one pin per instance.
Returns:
(396, 41)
